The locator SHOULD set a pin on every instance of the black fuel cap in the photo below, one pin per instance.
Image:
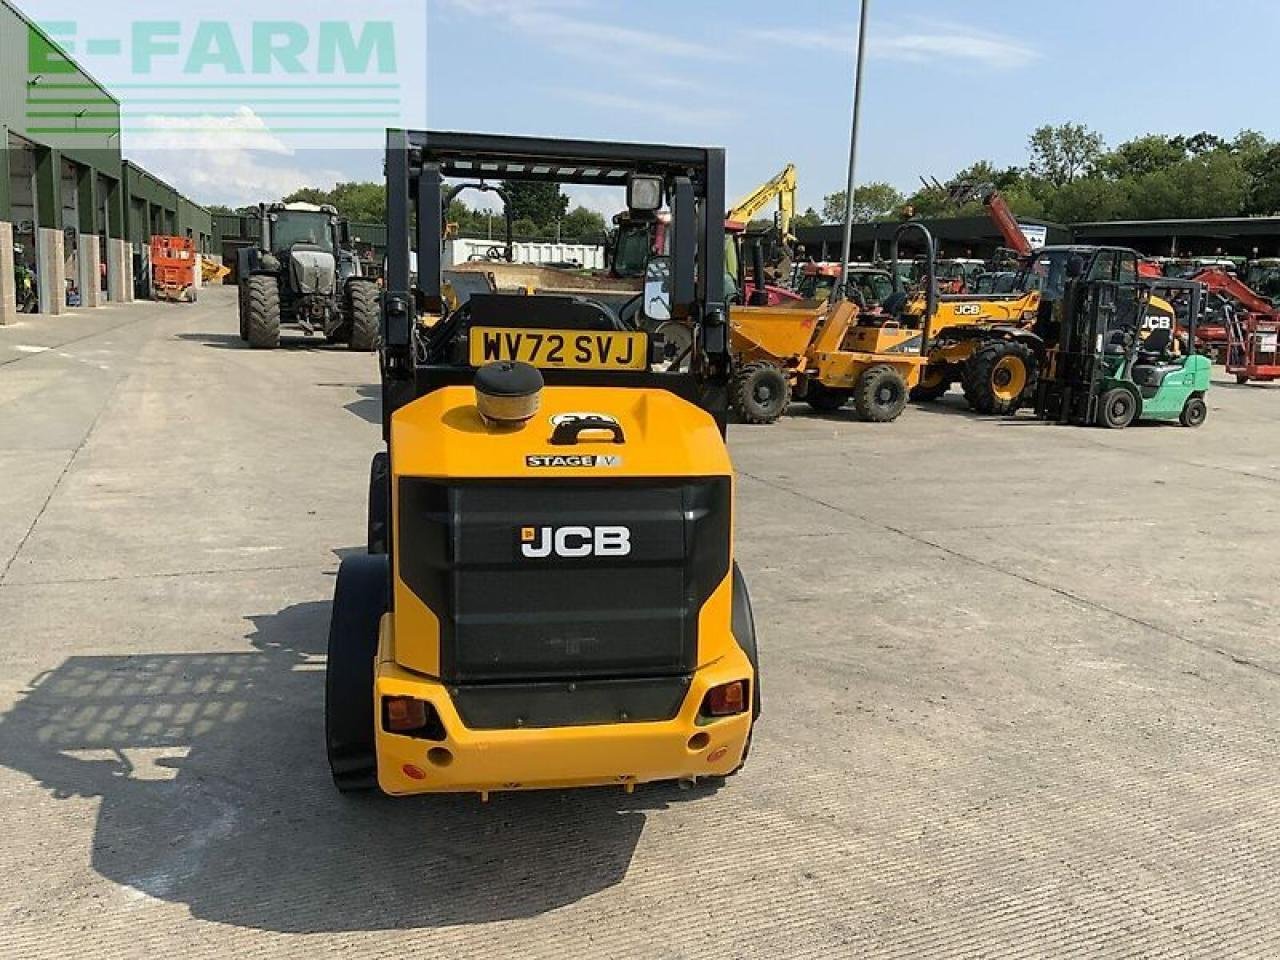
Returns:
(508, 391)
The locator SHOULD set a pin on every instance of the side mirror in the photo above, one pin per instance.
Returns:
(657, 288)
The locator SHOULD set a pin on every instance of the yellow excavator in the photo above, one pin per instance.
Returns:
(781, 187)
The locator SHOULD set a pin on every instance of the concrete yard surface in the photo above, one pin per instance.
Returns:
(1021, 686)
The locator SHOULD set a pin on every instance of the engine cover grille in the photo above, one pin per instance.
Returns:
(530, 582)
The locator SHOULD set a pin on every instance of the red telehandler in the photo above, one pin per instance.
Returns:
(1246, 339)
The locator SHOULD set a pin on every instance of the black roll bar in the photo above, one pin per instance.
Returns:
(930, 270)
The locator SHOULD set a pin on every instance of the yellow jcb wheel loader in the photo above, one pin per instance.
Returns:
(550, 597)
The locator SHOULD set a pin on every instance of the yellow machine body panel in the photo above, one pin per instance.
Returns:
(779, 334)
(840, 371)
(888, 339)
(962, 310)
(619, 754)
(442, 436)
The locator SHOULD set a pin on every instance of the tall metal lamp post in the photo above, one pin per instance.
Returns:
(846, 248)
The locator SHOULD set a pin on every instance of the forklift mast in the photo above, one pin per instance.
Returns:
(1099, 340)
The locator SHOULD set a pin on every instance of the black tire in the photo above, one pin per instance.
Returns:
(823, 398)
(934, 384)
(1117, 408)
(744, 631)
(743, 624)
(760, 392)
(1241, 379)
(360, 598)
(243, 300)
(999, 377)
(880, 394)
(262, 312)
(380, 504)
(363, 310)
(1194, 412)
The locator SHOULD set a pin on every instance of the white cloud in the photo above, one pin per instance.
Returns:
(561, 25)
(957, 43)
(658, 108)
(234, 160)
(927, 41)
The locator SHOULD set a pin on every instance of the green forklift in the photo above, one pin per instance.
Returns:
(1115, 362)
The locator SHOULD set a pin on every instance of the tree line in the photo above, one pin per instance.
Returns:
(1071, 176)
(540, 211)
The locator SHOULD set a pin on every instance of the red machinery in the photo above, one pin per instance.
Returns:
(1006, 223)
(1246, 337)
(173, 269)
(1249, 335)
(1252, 352)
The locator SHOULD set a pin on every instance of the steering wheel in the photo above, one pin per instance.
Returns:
(630, 311)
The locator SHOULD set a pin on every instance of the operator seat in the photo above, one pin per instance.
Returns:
(1153, 363)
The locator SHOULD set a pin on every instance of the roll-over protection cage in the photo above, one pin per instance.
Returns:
(417, 165)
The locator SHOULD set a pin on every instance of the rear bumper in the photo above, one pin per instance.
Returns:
(619, 754)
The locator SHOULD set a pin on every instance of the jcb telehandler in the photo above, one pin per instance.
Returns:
(993, 345)
(550, 598)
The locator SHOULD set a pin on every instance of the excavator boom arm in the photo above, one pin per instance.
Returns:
(783, 187)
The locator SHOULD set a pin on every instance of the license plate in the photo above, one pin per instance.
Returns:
(576, 349)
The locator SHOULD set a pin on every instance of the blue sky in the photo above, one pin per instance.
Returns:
(947, 82)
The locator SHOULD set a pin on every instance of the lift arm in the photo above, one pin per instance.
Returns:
(1006, 223)
(783, 187)
(1221, 282)
(997, 209)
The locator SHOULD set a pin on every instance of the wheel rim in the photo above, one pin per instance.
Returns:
(763, 393)
(1008, 379)
(886, 394)
(1120, 407)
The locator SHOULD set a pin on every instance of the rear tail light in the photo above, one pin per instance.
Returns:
(411, 718)
(726, 699)
(405, 713)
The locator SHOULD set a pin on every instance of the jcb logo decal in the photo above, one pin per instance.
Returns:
(538, 543)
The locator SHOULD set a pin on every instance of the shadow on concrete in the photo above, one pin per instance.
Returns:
(1251, 385)
(369, 406)
(215, 793)
(232, 341)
